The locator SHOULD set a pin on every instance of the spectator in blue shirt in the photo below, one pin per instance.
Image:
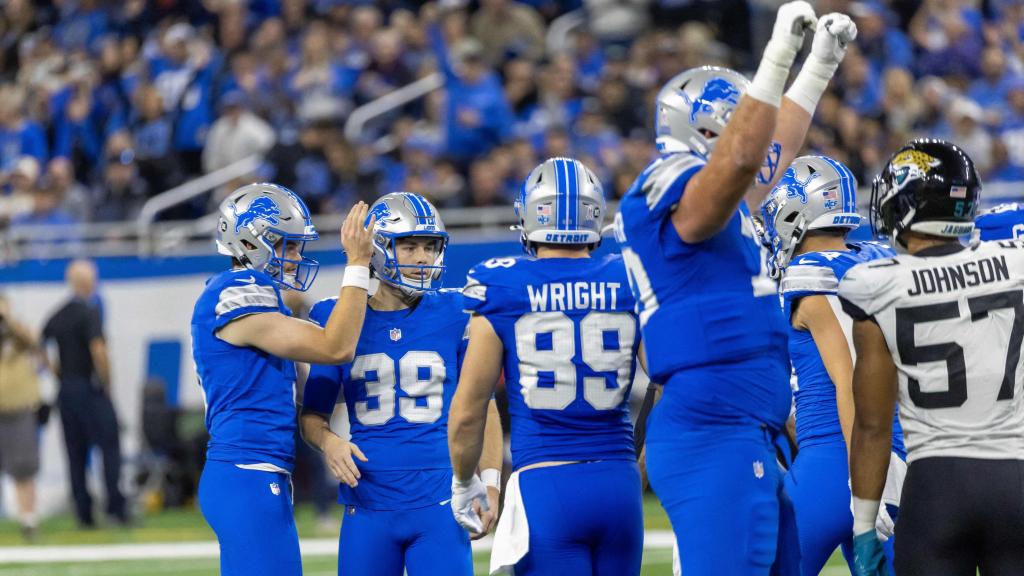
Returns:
(882, 44)
(19, 136)
(990, 90)
(477, 115)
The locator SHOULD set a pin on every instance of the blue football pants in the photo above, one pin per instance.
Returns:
(251, 513)
(722, 489)
(420, 541)
(585, 519)
(817, 485)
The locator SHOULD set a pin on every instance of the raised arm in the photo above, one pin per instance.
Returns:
(304, 341)
(834, 33)
(714, 193)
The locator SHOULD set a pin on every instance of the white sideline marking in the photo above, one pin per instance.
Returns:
(653, 540)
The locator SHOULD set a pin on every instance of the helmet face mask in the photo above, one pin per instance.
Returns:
(560, 202)
(402, 215)
(257, 224)
(815, 193)
(930, 187)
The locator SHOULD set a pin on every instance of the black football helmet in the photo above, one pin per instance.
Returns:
(928, 186)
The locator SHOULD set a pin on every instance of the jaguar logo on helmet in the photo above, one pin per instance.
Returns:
(262, 208)
(911, 165)
(716, 90)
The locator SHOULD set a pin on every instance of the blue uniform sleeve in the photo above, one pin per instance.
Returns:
(478, 294)
(244, 294)
(324, 384)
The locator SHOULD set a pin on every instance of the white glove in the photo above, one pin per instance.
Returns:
(834, 34)
(463, 496)
(791, 21)
(891, 495)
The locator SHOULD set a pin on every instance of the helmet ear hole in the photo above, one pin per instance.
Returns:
(248, 245)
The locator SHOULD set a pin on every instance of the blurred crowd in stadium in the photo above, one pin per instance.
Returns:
(104, 104)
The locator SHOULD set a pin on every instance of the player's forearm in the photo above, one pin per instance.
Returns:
(345, 323)
(845, 407)
(465, 437)
(493, 454)
(713, 194)
(790, 134)
(314, 429)
(869, 459)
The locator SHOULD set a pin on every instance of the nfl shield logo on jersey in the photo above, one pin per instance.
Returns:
(396, 334)
(758, 469)
(275, 488)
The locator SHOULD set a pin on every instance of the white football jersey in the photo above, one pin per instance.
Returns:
(953, 319)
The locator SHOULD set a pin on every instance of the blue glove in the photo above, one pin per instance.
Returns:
(868, 556)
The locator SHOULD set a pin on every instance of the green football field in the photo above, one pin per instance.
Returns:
(189, 526)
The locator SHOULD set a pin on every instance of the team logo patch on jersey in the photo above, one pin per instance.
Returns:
(275, 488)
(911, 165)
(715, 91)
(758, 469)
(395, 334)
(262, 208)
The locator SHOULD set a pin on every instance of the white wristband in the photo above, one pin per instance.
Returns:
(864, 514)
(491, 477)
(357, 277)
(811, 83)
(772, 73)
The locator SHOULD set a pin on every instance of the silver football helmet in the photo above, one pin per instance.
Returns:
(561, 202)
(257, 223)
(816, 192)
(405, 215)
(694, 107)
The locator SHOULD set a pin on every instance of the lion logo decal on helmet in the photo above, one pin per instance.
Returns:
(262, 208)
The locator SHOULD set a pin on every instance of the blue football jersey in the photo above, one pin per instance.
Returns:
(817, 419)
(249, 394)
(709, 304)
(570, 338)
(397, 391)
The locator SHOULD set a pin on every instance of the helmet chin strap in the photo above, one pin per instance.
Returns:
(898, 245)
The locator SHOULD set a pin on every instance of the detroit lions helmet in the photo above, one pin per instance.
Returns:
(928, 186)
(406, 215)
(561, 202)
(694, 107)
(816, 192)
(257, 222)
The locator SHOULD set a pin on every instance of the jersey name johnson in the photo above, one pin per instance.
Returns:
(953, 319)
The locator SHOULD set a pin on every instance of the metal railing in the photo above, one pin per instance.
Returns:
(186, 192)
(360, 117)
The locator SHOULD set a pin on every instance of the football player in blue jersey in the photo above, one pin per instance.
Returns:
(561, 325)
(806, 219)
(397, 391)
(1002, 222)
(245, 345)
(712, 326)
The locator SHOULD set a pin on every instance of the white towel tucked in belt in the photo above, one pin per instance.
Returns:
(512, 537)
